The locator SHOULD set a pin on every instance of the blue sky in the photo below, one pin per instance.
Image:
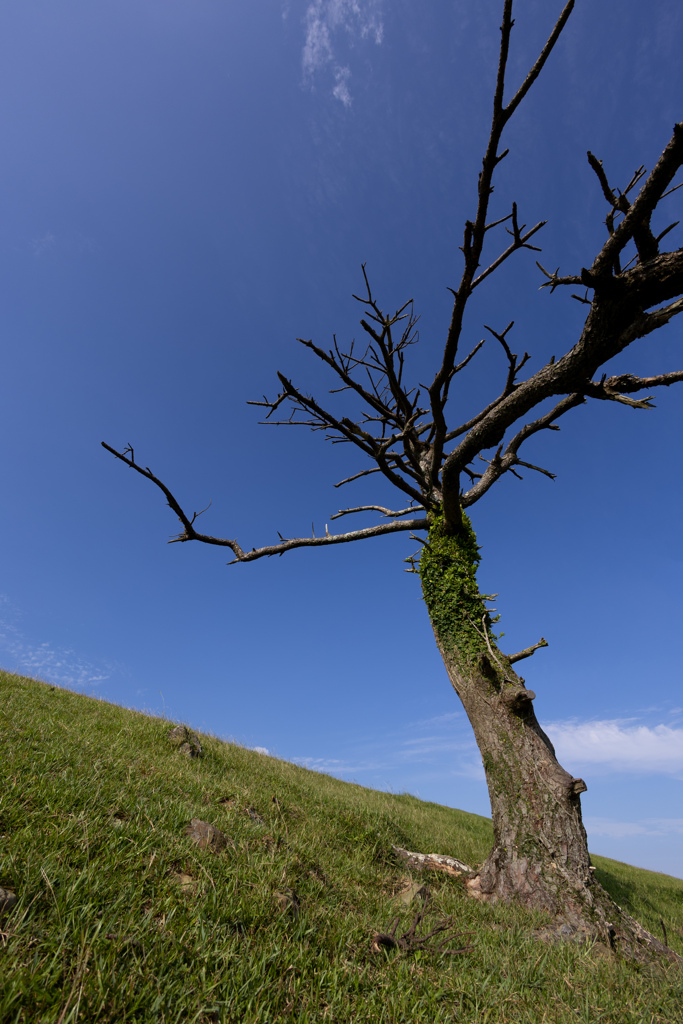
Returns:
(188, 187)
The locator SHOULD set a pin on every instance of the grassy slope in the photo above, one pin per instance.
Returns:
(94, 802)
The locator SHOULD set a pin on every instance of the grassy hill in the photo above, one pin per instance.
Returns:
(122, 916)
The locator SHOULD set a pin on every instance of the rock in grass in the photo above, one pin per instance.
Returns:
(410, 891)
(206, 836)
(186, 882)
(287, 900)
(7, 899)
(186, 741)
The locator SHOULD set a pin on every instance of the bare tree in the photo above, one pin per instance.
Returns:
(632, 288)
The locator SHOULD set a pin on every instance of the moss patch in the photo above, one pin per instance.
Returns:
(448, 571)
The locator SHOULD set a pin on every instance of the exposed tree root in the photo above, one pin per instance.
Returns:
(433, 861)
(588, 913)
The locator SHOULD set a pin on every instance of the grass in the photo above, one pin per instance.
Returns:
(121, 917)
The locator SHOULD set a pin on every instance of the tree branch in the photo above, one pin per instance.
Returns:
(626, 382)
(373, 508)
(502, 462)
(376, 448)
(527, 652)
(357, 476)
(615, 320)
(475, 231)
(520, 242)
(613, 388)
(543, 56)
(554, 280)
(286, 544)
(641, 210)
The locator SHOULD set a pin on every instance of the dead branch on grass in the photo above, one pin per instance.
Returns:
(412, 941)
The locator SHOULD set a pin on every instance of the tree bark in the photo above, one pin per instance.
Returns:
(540, 851)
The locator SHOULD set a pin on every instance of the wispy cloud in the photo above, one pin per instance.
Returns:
(623, 829)
(328, 21)
(446, 744)
(42, 244)
(60, 665)
(437, 720)
(336, 766)
(71, 244)
(619, 746)
(432, 743)
(341, 89)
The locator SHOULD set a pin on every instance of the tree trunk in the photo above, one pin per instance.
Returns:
(540, 852)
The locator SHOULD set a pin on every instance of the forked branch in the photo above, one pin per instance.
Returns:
(475, 230)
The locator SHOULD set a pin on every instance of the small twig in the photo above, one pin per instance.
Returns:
(485, 633)
(661, 921)
(488, 643)
(539, 469)
(554, 279)
(357, 476)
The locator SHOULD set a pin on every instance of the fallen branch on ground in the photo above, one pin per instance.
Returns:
(411, 941)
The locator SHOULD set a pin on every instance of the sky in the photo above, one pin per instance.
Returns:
(185, 190)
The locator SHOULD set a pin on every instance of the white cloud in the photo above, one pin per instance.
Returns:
(619, 746)
(261, 750)
(318, 47)
(326, 18)
(341, 89)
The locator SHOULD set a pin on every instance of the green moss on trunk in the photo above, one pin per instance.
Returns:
(448, 571)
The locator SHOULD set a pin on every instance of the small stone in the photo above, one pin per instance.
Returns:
(287, 899)
(186, 741)
(183, 880)
(7, 899)
(206, 836)
(411, 891)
